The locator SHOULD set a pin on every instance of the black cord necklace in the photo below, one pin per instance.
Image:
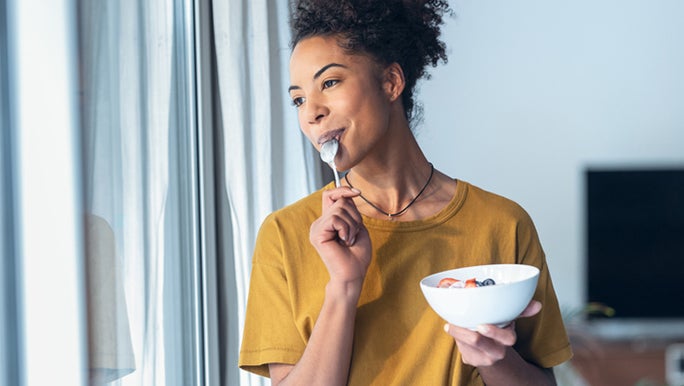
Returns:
(399, 213)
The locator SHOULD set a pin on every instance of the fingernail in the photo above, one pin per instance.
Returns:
(351, 242)
(355, 190)
(483, 329)
(446, 327)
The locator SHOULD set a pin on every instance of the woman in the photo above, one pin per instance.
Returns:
(334, 295)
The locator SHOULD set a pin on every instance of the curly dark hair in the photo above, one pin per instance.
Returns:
(403, 31)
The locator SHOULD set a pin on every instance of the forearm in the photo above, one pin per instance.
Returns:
(514, 370)
(327, 356)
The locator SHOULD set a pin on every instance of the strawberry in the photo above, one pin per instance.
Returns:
(447, 282)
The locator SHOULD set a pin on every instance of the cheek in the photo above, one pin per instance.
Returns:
(359, 103)
(371, 106)
(304, 128)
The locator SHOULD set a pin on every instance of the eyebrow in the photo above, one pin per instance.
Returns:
(319, 73)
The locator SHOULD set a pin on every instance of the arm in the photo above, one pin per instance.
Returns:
(490, 349)
(344, 246)
(327, 355)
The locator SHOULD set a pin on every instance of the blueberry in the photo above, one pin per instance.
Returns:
(487, 282)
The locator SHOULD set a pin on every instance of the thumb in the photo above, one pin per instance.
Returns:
(532, 309)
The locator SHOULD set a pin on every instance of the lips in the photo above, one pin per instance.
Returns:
(327, 136)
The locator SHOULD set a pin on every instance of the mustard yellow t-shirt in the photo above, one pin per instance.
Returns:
(398, 338)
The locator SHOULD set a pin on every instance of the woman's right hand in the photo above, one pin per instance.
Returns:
(340, 238)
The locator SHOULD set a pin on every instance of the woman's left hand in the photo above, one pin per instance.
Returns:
(489, 344)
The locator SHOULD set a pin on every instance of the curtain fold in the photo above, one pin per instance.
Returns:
(264, 161)
(137, 146)
(140, 258)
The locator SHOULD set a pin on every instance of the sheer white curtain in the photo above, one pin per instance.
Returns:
(40, 248)
(266, 162)
(139, 190)
(142, 248)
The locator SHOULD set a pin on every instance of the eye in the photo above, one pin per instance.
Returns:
(330, 82)
(298, 101)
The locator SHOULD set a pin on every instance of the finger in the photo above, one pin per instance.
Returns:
(465, 335)
(532, 309)
(346, 209)
(341, 228)
(505, 336)
(456, 331)
(475, 348)
(347, 204)
(341, 222)
(345, 226)
(477, 356)
(484, 336)
(330, 196)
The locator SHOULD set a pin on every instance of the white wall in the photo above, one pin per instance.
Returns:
(535, 91)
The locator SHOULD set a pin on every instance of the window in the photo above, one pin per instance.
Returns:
(141, 188)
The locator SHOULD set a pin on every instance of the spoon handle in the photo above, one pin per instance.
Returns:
(337, 175)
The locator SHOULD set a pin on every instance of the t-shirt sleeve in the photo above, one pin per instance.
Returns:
(542, 339)
(269, 335)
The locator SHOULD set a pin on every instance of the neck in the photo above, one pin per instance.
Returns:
(391, 182)
(393, 173)
(403, 210)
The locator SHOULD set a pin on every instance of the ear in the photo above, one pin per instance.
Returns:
(394, 81)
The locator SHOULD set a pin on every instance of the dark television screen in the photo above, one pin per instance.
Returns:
(635, 241)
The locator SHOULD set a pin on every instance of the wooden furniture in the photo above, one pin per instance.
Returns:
(635, 362)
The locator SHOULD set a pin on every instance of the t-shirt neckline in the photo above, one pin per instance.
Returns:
(408, 226)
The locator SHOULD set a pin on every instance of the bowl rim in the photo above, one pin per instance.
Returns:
(533, 272)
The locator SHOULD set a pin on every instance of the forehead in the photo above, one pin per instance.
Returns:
(312, 54)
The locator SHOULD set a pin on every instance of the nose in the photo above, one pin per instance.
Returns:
(315, 111)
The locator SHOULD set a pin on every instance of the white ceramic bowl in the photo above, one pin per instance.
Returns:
(497, 304)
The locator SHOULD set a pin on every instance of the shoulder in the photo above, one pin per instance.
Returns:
(286, 230)
(296, 215)
(508, 220)
(492, 204)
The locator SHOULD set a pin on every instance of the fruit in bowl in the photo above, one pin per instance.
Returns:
(497, 303)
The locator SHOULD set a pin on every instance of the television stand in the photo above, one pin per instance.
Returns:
(623, 362)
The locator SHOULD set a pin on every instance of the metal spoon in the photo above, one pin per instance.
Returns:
(328, 152)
